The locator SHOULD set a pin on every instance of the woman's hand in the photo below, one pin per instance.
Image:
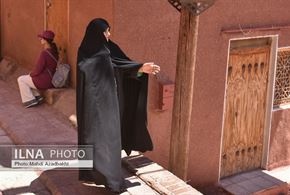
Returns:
(150, 68)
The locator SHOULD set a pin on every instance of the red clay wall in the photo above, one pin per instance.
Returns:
(210, 81)
(148, 31)
(80, 14)
(280, 139)
(21, 21)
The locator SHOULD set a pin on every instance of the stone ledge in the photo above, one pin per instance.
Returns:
(7, 67)
(52, 95)
(160, 179)
(64, 182)
(280, 190)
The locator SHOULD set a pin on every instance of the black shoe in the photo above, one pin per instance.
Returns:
(30, 103)
(39, 99)
(120, 191)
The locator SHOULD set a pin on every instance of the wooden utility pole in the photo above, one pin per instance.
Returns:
(183, 94)
(184, 83)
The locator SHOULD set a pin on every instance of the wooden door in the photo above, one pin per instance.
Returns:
(244, 119)
(57, 21)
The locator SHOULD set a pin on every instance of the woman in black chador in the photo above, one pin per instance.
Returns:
(111, 104)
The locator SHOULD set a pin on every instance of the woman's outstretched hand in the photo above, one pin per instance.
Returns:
(150, 68)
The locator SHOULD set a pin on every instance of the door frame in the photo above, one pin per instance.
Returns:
(269, 97)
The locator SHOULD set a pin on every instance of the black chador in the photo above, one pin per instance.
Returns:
(111, 105)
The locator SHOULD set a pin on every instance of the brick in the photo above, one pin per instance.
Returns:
(55, 178)
(42, 192)
(52, 95)
(37, 186)
(176, 186)
(258, 172)
(170, 181)
(191, 192)
(154, 168)
(273, 179)
(249, 175)
(141, 189)
(225, 182)
(276, 190)
(260, 181)
(155, 175)
(81, 189)
(65, 102)
(237, 190)
(250, 186)
(6, 68)
(183, 190)
(13, 180)
(66, 182)
(213, 190)
(135, 185)
(2, 132)
(257, 183)
(237, 179)
(5, 140)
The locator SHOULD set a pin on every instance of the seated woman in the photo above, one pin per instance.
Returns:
(41, 76)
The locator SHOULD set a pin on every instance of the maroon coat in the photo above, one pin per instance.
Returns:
(40, 75)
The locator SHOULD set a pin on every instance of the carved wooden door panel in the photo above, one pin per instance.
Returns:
(244, 116)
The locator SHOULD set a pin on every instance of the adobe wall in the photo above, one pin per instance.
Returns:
(18, 36)
(210, 81)
(148, 32)
(80, 14)
(280, 139)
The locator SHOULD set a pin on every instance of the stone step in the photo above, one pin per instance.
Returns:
(64, 182)
(255, 182)
(52, 95)
(157, 177)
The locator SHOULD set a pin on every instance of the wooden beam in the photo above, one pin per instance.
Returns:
(183, 94)
(255, 29)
